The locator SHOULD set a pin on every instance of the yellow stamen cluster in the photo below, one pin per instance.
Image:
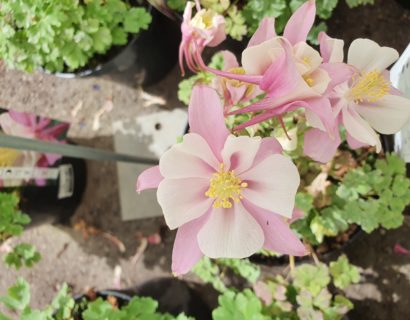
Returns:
(237, 83)
(309, 80)
(225, 187)
(370, 87)
(8, 157)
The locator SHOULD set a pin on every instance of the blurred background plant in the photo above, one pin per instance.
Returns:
(243, 16)
(66, 35)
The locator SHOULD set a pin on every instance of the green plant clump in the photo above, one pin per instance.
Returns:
(63, 307)
(308, 295)
(63, 35)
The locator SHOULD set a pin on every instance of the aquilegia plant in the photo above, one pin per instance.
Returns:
(231, 194)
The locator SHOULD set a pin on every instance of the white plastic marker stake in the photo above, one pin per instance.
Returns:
(400, 78)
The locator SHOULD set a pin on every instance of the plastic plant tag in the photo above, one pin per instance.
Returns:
(400, 78)
(24, 167)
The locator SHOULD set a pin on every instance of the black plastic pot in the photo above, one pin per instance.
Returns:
(176, 296)
(404, 3)
(48, 204)
(146, 59)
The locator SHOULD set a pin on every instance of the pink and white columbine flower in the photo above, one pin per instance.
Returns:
(206, 28)
(362, 98)
(234, 91)
(228, 196)
(286, 68)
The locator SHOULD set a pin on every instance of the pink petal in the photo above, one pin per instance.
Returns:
(190, 158)
(338, 73)
(401, 250)
(229, 60)
(183, 200)
(236, 94)
(281, 77)
(359, 129)
(278, 235)
(320, 146)
(186, 252)
(52, 158)
(149, 179)
(268, 147)
(23, 118)
(265, 31)
(219, 34)
(296, 215)
(353, 143)
(300, 22)
(239, 152)
(330, 49)
(230, 233)
(272, 184)
(206, 118)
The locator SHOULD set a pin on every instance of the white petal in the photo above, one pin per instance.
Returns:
(230, 233)
(190, 158)
(239, 152)
(366, 55)
(183, 200)
(257, 59)
(272, 184)
(359, 128)
(308, 57)
(387, 115)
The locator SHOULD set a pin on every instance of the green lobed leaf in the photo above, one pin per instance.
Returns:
(312, 278)
(23, 254)
(18, 296)
(343, 273)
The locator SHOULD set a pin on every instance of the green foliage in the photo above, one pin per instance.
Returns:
(372, 195)
(311, 278)
(23, 254)
(12, 220)
(356, 3)
(64, 35)
(209, 272)
(239, 306)
(178, 5)
(213, 271)
(235, 24)
(343, 272)
(63, 306)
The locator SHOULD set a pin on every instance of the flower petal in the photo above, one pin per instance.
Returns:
(206, 118)
(272, 184)
(331, 49)
(265, 31)
(257, 59)
(387, 115)
(359, 129)
(230, 233)
(338, 73)
(229, 60)
(366, 55)
(239, 152)
(149, 179)
(186, 252)
(278, 235)
(300, 22)
(320, 146)
(190, 158)
(353, 143)
(183, 200)
(268, 147)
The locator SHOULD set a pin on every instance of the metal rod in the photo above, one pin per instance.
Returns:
(69, 150)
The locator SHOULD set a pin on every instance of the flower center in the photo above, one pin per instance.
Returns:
(225, 187)
(370, 87)
(203, 19)
(309, 80)
(8, 157)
